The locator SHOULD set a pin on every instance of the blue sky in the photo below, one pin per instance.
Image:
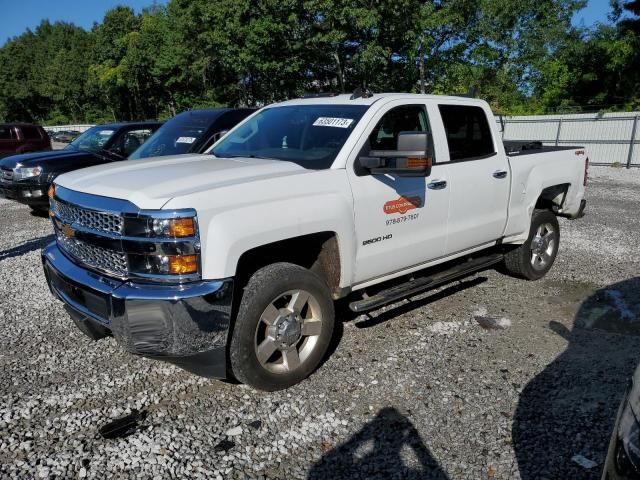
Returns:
(17, 16)
(595, 11)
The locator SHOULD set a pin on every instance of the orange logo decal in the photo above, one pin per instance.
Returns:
(402, 205)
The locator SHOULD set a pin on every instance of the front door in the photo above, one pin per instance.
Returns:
(400, 221)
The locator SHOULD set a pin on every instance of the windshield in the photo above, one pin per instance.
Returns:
(174, 137)
(309, 135)
(92, 140)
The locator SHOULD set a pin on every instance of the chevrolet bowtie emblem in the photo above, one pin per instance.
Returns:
(68, 232)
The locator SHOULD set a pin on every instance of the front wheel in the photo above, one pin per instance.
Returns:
(283, 327)
(534, 258)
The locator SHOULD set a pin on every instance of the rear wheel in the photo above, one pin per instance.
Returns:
(283, 327)
(534, 258)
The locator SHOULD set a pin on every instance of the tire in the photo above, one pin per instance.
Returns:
(534, 258)
(269, 349)
(39, 210)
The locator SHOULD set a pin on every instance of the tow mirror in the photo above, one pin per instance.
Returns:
(409, 160)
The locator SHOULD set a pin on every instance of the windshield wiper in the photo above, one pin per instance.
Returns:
(248, 155)
(111, 152)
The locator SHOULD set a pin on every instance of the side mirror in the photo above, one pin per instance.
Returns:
(410, 160)
(218, 135)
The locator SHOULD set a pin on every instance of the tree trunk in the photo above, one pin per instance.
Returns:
(421, 67)
(339, 71)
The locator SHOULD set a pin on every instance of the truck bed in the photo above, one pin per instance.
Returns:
(515, 148)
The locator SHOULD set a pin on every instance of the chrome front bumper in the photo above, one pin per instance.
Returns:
(184, 324)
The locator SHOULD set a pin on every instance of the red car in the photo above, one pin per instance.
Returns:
(22, 138)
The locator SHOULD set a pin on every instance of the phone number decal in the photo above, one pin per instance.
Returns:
(402, 219)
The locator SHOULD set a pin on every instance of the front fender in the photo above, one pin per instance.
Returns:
(240, 218)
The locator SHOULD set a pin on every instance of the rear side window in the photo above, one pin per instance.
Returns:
(30, 133)
(6, 133)
(468, 133)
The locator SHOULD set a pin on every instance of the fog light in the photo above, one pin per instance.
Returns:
(36, 193)
(183, 264)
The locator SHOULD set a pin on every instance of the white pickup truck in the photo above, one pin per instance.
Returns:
(228, 263)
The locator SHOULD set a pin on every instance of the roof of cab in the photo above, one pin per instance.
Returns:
(345, 99)
(129, 124)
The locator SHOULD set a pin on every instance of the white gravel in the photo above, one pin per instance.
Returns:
(415, 390)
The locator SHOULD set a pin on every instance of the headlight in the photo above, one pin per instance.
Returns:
(173, 227)
(20, 173)
(627, 455)
(169, 245)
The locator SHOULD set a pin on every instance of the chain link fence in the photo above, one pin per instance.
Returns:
(610, 138)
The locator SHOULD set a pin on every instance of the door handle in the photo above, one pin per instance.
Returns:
(437, 185)
(500, 174)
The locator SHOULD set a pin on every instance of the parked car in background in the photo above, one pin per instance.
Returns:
(65, 136)
(26, 178)
(22, 138)
(191, 132)
(623, 457)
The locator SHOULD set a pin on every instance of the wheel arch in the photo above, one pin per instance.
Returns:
(319, 252)
(552, 197)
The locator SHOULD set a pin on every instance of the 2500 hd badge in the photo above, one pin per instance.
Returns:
(377, 239)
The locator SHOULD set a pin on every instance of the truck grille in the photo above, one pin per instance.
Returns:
(94, 220)
(109, 261)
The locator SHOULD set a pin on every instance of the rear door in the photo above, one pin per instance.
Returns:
(8, 140)
(31, 139)
(478, 178)
(400, 222)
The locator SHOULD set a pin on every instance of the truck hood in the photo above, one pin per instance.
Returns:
(152, 182)
(47, 157)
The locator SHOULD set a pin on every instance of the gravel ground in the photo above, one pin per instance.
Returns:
(415, 390)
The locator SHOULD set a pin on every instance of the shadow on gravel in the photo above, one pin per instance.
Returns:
(387, 447)
(570, 407)
(26, 247)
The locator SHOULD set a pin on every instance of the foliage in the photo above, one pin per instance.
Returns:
(521, 55)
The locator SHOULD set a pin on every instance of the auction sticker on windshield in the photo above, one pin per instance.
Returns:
(186, 139)
(333, 122)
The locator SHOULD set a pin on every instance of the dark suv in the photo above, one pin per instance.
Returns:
(22, 138)
(26, 178)
(193, 131)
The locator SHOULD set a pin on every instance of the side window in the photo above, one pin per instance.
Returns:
(130, 141)
(468, 132)
(407, 118)
(30, 133)
(6, 133)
